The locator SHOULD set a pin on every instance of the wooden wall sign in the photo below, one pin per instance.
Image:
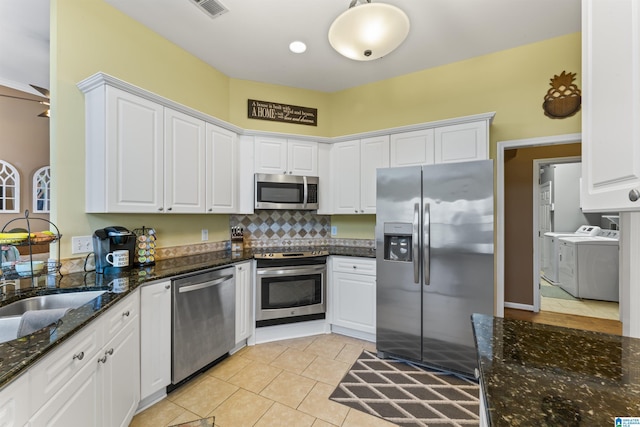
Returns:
(564, 98)
(275, 112)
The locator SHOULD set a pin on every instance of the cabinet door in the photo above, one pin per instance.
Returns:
(302, 157)
(120, 375)
(222, 177)
(354, 302)
(155, 338)
(77, 402)
(14, 403)
(345, 161)
(270, 155)
(184, 163)
(374, 154)
(244, 302)
(610, 125)
(412, 148)
(134, 148)
(461, 143)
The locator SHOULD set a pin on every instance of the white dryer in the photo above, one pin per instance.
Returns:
(551, 250)
(588, 266)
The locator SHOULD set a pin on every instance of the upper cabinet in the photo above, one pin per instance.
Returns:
(442, 144)
(610, 125)
(353, 165)
(286, 156)
(146, 157)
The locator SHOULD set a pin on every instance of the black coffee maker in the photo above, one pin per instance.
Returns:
(109, 239)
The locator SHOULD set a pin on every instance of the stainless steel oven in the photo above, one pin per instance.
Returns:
(290, 287)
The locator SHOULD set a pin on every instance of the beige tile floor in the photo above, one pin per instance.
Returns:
(591, 308)
(285, 383)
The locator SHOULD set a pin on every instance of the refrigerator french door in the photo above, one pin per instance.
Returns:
(434, 261)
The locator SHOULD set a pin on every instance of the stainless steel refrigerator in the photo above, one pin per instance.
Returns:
(434, 261)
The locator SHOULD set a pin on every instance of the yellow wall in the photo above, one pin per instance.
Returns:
(90, 36)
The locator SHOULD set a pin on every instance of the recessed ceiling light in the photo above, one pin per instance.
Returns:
(297, 47)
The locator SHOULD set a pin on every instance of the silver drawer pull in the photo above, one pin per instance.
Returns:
(355, 266)
(103, 359)
(79, 356)
(167, 286)
(109, 352)
(126, 313)
(634, 195)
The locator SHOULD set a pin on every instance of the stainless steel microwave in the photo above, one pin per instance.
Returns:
(286, 192)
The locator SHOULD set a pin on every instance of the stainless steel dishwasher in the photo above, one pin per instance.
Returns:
(203, 321)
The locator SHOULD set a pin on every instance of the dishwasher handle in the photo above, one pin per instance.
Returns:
(203, 285)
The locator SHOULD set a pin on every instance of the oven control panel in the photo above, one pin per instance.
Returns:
(292, 254)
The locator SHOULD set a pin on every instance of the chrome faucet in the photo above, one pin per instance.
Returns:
(3, 286)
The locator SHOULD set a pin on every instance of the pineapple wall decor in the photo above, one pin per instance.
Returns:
(563, 99)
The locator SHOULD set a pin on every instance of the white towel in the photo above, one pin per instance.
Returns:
(33, 320)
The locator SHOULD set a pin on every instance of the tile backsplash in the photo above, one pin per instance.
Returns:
(272, 228)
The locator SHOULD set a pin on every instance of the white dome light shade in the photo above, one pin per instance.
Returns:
(297, 47)
(369, 31)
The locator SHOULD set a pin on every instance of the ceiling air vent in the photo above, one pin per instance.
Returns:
(212, 8)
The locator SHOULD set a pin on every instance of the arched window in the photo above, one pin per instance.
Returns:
(9, 188)
(42, 190)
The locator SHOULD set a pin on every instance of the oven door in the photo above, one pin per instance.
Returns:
(290, 291)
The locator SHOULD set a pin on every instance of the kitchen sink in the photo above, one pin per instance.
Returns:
(48, 302)
(11, 314)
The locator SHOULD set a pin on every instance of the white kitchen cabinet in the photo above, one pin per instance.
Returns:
(14, 403)
(354, 166)
(88, 381)
(412, 148)
(462, 142)
(286, 156)
(353, 300)
(184, 163)
(221, 167)
(244, 301)
(124, 152)
(610, 126)
(155, 338)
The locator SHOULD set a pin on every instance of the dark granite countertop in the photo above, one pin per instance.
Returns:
(18, 355)
(541, 375)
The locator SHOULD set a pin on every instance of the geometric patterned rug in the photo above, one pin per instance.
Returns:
(408, 395)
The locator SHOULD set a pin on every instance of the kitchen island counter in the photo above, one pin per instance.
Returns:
(18, 355)
(533, 374)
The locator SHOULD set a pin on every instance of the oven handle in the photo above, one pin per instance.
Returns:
(279, 271)
(203, 285)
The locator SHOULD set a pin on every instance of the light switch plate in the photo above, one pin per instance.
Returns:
(81, 244)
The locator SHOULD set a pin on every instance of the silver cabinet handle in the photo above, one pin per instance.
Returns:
(169, 209)
(103, 359)
(109, 352)
(79, 356)
(167, 286)
(356, 211)
(355, 266)
(634, 195)
(210, 209)
(126, 314)
(160, 209)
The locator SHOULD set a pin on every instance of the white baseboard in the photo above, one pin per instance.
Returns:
(353, 333)
(290, 330)
(151, 400)
(518, 306)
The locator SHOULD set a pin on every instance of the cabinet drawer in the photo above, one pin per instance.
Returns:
(118, 316)
(354, 265)
(49, 375)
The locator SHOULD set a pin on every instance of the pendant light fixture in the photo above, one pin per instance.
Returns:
(368, 31)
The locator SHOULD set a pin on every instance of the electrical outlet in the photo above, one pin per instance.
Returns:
(205, 234)
(81, 244)
(334, 230)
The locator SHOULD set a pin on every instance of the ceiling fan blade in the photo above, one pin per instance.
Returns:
(43, 91)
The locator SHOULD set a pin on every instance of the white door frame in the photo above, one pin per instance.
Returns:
(499, 248)
(537, 163)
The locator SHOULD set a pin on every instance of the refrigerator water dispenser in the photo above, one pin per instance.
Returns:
(397, 241)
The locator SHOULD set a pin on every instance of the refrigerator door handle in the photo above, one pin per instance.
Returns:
(416, 246)
(427, 244)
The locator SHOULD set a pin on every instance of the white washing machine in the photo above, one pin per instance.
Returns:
(551, 248)
(588, 266)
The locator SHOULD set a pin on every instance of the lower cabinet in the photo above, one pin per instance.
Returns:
(105, 390)
(353, 290)
(14, 403)
(244, 302)
(155, 338)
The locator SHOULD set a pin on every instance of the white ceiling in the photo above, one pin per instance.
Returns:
(251, 40)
